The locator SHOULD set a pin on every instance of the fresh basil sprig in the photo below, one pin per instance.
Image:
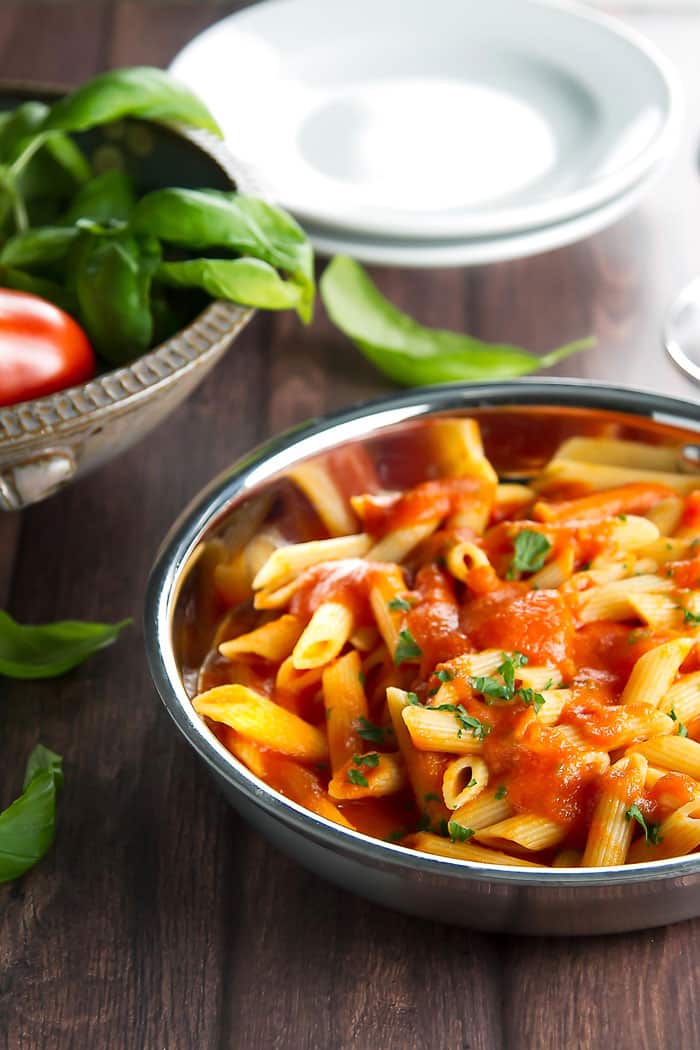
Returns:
(47, 650)
(410, 353)
(27, 827)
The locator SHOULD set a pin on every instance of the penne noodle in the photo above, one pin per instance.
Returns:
(346, 704)
(655, 671)
(463, 780)
(683, 698)
(463, 556)
(524, 830)
(490, 807)
(611, 829)
(273, 641)
(433, 730)
(615, 452)
(397, 544)
(666, 515)
(466, 851)
(286, 562)
(358, 779)
(262, 721)
(671, 752)
(425, 770)
(677, 836)
(323, 637)
(321, 490)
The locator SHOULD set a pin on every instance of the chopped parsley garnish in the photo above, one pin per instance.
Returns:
(682, 730)
(530, 698)
(501, 792)
(444, 675)
(399, 605)
(369, 731)
(472, 783)
(424, 823)
(480, 730)
(396, 835)
(492, 689)
(651, 831)
(371, 760)
(458, 833)
(432, 797)
(357, 778)
(529, 551)
(407, 649)
(622, 517)
(361, 678)
(691, 617)
(413, 699)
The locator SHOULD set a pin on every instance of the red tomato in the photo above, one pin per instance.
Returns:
(42, 349)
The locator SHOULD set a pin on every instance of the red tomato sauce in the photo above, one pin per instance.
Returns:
(433, 500)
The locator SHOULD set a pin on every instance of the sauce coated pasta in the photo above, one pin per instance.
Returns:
(497, 672)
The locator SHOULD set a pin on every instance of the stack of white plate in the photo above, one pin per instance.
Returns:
(439, 132)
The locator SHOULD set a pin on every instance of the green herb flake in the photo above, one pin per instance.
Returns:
(361, 678)
(472, 783)
(682, 730)
(651, 831)
(531, 699)
(458, 833)
(432, 797)
(691, 617)
(530, 550)
(622, 517)
(424, 823)
(413, 699)
(371, 760)
(369, 731)
(399, 605)
(357, 778)
(445, 675)
(501, 792)
(407, 648)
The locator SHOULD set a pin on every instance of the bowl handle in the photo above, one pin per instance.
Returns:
(36, 478)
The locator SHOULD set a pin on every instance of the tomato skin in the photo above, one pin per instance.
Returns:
(42, 349)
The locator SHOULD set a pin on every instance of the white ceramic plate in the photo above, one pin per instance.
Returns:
(435, 118)
(480, 250)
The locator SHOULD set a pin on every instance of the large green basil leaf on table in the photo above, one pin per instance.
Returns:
(410, 353)
(47, 650)
(27, 827)
(204, 219)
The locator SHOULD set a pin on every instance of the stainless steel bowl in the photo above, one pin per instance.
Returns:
(522, 422)
(48, 442)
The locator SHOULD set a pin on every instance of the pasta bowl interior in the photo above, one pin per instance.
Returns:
(443, 650)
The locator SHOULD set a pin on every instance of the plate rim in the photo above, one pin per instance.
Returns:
(501, 221)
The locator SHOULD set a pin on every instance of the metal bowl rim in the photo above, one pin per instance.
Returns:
(229, 486)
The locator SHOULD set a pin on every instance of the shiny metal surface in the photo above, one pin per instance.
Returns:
(546, 901)
(682, 329)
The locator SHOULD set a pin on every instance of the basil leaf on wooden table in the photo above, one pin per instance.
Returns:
(27, 827)
(410, 353)
(140, 91)
(251, 282)
(47, 650)
(205, 219)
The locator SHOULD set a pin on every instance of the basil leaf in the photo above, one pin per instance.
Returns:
(407, 648)
(530, 550)
(408, 352)
(46, 650)
(45, 289)
(38, 247)
(27, 827)
(141, 91)
(106, 198)
(251, 282)
(202, 219)
(113, 284)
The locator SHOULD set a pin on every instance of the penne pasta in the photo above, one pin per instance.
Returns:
(490, 672)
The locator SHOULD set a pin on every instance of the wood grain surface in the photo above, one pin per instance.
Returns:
(159, 919)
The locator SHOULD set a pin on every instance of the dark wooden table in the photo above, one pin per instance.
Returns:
(159, 919)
